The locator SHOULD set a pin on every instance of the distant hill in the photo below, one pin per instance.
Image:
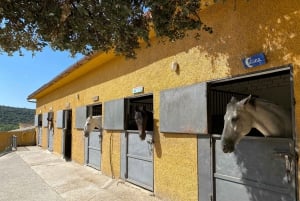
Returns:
(10, 117)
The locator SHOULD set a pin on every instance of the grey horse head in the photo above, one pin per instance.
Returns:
(237, 123)
(90, 124)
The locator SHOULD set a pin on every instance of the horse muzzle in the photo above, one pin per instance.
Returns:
(228, 145)
(228, 148)
(86, 133)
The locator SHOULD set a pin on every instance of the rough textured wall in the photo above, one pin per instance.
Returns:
(111, 153)
(176, 166)
(24, 138)
(77, 146)
(57, 138)
(44, 143)
(240, 29)
(5, 140)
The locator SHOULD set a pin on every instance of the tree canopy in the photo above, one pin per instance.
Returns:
(87, 26)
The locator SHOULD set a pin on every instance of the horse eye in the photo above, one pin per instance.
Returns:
(234, 119)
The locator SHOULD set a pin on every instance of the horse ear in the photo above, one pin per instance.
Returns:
(249, 100)
(233, 99)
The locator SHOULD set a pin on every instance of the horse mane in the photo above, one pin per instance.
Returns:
(273, 105)
(275, 111)
(265, 101)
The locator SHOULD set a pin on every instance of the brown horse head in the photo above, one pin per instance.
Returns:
(50, 122)
(142, 118)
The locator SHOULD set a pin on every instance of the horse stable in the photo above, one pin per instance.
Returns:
(186, 84)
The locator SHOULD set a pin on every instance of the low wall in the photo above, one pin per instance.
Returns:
(25, 137)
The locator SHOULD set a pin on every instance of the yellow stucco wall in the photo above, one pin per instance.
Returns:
(44, 143)
(24, 138)
(239, 30)
(5, 140)
(111, 153)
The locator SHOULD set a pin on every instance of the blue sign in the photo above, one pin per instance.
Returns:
(254, 60)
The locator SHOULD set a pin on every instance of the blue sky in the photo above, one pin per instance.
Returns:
(22, 75)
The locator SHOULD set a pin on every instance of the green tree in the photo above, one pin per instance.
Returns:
(8, 127)
(10, 117)
(86, 26)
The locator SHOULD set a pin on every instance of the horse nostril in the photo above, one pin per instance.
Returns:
(86, 133)
(228, 148)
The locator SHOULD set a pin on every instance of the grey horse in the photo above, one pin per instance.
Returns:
(91, 123)
(241, 116)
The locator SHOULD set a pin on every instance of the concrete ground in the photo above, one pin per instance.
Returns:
(34, 174)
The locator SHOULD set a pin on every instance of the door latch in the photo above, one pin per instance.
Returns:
(150, 143)
(289, 163)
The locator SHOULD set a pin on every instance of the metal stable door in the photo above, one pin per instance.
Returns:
(50, 139)
(259, 169)
(136, 154)
(94, 142)
(50, 131)
(38, 125)
(39, 135)
(139, 158)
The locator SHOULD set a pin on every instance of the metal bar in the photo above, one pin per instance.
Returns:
(139, 157)
(252, 74)
(137, 132)
(293, 103)
(213, 166)
(140, 184)
(94, 148)
(93, 166)
(254, 184)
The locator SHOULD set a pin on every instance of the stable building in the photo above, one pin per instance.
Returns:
(254, 49)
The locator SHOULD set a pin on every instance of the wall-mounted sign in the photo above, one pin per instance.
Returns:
(95, 98)
(137, 90)
(254, 60)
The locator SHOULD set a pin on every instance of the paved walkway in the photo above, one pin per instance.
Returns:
(33, 174)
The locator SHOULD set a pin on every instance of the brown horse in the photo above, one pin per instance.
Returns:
(144, 121)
